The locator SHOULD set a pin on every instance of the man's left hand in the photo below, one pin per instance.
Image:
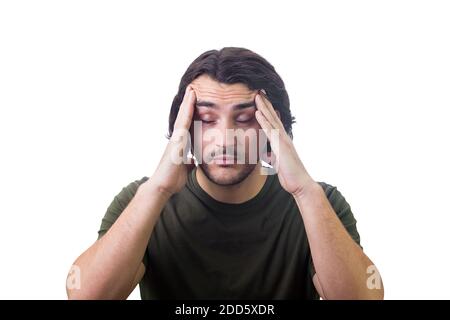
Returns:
(283, 157)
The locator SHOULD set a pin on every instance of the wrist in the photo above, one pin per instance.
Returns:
(309, 188)
(150, 188)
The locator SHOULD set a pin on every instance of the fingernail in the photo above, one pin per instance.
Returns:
(263, 93)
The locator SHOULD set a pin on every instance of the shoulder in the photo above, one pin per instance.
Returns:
(335, 197)
(118, 204)
(134, 185)
(342, 209)
(128, 191)
(331, 191)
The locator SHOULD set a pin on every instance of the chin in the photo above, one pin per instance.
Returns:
(227, 175)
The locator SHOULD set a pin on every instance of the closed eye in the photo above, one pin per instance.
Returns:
(244, 119)
(241, 120)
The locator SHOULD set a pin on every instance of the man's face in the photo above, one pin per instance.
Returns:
(229, 130)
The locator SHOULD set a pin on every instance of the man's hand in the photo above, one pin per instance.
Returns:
(284, 158)
(171, 174)
(121, 248)
(333, 250)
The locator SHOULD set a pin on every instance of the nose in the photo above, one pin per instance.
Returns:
(227, 137)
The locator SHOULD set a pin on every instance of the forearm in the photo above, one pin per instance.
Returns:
(109, 266)
(340, 264)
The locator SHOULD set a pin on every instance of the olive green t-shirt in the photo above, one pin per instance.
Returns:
(201, 248)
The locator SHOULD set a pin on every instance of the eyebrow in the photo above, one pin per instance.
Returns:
(239, 106)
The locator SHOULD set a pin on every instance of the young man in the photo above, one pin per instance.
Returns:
(224, 227)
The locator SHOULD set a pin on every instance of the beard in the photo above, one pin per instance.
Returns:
(227, 175)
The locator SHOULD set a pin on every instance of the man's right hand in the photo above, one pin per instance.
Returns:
(121, 249)
(171, 174)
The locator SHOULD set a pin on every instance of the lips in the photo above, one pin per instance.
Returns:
(224, 160)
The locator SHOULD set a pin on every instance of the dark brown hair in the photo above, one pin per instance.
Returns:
(237, 65)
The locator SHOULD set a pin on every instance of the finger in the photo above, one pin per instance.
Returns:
(261, 106)
(271, 109)
(264, 123)
(273, 112)
(272, 134)
(186, 110)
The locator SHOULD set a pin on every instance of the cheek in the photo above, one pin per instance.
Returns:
(251, 139)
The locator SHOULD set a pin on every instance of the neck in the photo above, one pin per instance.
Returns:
(237, 193)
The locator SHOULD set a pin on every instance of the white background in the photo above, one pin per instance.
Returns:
(85, 92)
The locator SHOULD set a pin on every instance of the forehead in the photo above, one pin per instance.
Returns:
(209, 89)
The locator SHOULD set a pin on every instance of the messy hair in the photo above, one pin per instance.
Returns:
(237, 65)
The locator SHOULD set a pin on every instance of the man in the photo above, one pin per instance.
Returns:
(222, 228)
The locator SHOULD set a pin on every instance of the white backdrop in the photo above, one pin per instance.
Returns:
(85, 92)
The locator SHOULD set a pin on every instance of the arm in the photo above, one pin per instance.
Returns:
(341, 265)
(111, 268)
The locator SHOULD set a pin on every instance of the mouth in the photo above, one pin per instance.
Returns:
(224, 160)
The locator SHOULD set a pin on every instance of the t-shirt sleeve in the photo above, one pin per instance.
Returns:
(118, 204)
(344, 213)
